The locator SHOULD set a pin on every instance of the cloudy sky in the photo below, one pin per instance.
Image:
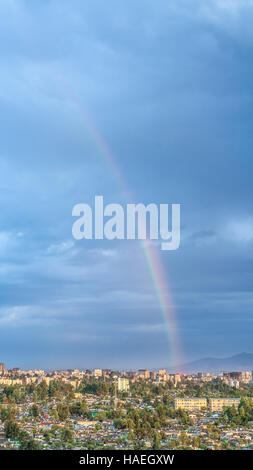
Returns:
(168, 85)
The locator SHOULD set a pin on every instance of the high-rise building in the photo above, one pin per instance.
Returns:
(243, 376)
(144, 373)
(246, 377)
(123, 384)
(1, 366)
(233, 375)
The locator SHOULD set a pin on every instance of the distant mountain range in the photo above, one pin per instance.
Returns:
(243, 361)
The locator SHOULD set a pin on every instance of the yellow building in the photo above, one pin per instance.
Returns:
(123, 384)
(218, 404)
(97, 373)
(143, 374)
(190, 404)
(177, 378)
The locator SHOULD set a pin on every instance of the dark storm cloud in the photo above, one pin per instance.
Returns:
(169, 87)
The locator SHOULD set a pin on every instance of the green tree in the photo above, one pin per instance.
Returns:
(156, 444)
(63, 411)
(67, 435)
(34, 411)
(29, 444)
(11, 429)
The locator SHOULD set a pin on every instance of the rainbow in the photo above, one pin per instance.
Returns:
(151, 254)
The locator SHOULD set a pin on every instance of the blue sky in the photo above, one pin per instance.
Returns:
(169, 87)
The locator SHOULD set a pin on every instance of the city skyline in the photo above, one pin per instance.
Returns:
(212, 365)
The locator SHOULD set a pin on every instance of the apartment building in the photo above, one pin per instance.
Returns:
(123, 384)
(218, 404)
(190, 404)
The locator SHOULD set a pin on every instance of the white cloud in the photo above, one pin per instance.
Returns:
(60, 248)
(240, 230)
(9, 240)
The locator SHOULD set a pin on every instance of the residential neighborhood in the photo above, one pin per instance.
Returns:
(105, 409)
